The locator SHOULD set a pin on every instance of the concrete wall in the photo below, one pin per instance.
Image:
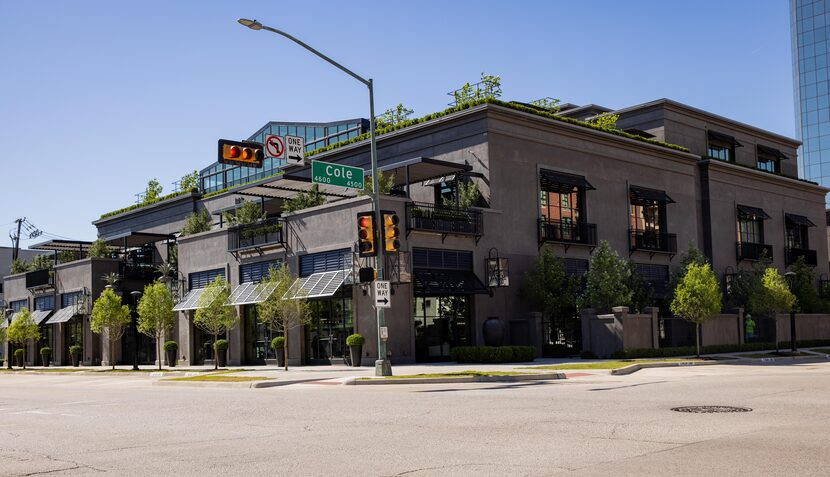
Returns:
(725, 329)
(807, 327)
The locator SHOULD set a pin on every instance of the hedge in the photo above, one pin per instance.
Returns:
(713, 349)
(151, 202)
(493, 354)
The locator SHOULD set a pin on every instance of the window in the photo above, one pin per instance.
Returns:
(445, 192)
(46, 302)
(797, 231)
(769, 159)
(721, 146)
(751, 224)
(255, 272)
(18, 305)
(575, 266)
(69, 299)
(201, 279)
(647, 216)
(439, 258)
(329, 261)
(656, 276)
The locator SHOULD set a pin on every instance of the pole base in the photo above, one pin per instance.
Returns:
(383, 367)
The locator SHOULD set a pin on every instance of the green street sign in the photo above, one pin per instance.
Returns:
(336, 174)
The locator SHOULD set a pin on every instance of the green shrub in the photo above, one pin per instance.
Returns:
(278, 342)
(18, 352)
(75, 350)
(171, 346)
(493, 354)
(355, 340)
(47, 351)
(220, 345)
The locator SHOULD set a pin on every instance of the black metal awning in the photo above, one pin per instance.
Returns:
(771, 152)
(62, 245)
(713, 135)
(752, 212)
(641, 194)
(799, 220)
(552, 181)
(136, 239)
(437, 282)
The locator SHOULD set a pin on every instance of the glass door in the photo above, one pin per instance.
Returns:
(441, 323)
(331, 323)
(257, 338)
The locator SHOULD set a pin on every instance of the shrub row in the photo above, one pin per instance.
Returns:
(713, 349)
(493, 354)
(150, 202)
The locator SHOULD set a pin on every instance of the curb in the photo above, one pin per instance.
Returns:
(638, 366)
(459, 379)
(269, 383)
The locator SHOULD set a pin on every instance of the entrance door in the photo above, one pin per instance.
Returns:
(73, 334)
(257, 338)
(331, 323)
(441, 323)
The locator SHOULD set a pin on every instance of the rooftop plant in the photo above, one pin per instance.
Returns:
(149, 202)
(248, 213)
(197, 222)
(304, 200)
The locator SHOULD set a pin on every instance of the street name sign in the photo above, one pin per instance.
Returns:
(336, 174)
(383, 295)
(295, 149)
(274, 146)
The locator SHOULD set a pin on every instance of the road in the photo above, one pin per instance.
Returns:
(592, 424)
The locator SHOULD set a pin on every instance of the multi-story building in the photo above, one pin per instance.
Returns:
(544, 180)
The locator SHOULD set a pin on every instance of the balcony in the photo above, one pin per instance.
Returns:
(566, 232)
(444, 220)
(131, 270)
(753, 251)
(40, 279)
(791, 256)
(264, 234)
(652, 242)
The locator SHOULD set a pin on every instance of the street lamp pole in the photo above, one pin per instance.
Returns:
(136, 295)
(382, 366)
(7, 315)
(791, 281)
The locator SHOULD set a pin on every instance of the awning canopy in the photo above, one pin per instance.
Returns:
(62, 245)
(713, 135)
(437, 282)
(650, 195)
(40, 315)
(135, 239)
(63, 315)
(799, 220)
(189, 301)
(752, 212)
(281, 187)
(771, 151)
(317, 285)
(250, 293)
(552, 181)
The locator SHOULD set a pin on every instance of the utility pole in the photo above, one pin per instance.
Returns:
(16, 238)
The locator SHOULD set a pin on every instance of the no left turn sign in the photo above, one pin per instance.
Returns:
(274, 146)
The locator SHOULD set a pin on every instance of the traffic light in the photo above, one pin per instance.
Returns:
(391, 232)
(240, 153)
(366, 275)
(366, 234)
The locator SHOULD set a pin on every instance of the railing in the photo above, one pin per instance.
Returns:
(791, 256)
(267, 232)
(130, 270)
(567, 232)
(40, 279)
(445, 220)
(753, 251)
(650, 241)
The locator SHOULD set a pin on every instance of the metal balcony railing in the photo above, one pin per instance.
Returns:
(259, 234)
(131, 270)
(753, 251)
(791, 256)
(40, 279)
(651, 241)
(567, 232)
(443, 220)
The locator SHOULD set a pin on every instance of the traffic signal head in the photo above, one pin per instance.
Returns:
(391, 232)
(240, 153)
(366, 234)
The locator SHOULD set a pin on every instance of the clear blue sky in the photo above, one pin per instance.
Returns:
(97, 97)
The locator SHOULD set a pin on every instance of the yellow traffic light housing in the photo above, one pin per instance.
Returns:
(366, 234)
(241, 153)
(391, 232)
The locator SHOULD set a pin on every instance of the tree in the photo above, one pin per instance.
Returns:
(153, 190)
(549, 286)
(697, 298)
(19, 266)
(385, 184)
(189, 182)
(607, 280)
(248, 213)
(197, 222)
(691, 256)
(110, 318)
(99, 249)
(393, 116)
(43, 262)
(642, 293)
(605, 121)
(807, 298)
(550, 104)
(278, 312)
(23, 330)
(468, 195)
(66, 256)
(744, 283)
(155, 314)
(772, 295)
(214, 316)
(304, 200)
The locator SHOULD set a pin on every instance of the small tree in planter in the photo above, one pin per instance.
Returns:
(75, 353)
(171, 348)
(110, 317)
(278, 311)
(155, 314)
(355, 343)
(278, 344)
(19, 358)
(214, 316)
(22, 331)
(45, 355)
(697, 297)
(221, 349)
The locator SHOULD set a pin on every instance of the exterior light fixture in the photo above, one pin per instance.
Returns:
(496, 269)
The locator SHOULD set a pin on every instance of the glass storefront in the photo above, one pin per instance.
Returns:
(332, 321)
(73, 334)
(441, 323)
(257, 338)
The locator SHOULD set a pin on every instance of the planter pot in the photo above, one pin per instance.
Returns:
(493, 330)
(280, 357)
(171, 358)
(18, 360)
(76, 360)
(222, 356)
(45, 359)
(356, 353)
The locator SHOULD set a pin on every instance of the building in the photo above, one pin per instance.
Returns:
(810, 32)
(6, 254)
(680, 176)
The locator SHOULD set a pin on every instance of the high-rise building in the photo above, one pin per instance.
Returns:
(810, 28)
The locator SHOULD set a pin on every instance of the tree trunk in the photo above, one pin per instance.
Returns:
(285, 349)
(158, 351)
(215, 353)
(697, 338)
(112, 352)
(24, 355)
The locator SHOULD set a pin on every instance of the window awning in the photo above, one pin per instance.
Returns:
(40, 315)
(63, 315)
(754, 213)
(799, 220)
(437, 282)
(650, 195)
(771, 151)
(724, 138)
(249, 293)
(191, 300)
(552, 181)
(317, 285)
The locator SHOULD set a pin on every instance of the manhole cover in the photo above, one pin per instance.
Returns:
(710, 409)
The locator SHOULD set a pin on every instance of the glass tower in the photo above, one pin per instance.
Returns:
(810, 29)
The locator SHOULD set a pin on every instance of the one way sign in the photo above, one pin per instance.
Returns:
(294, 149)
(383, 297)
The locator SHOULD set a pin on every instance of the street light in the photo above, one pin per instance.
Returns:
(136, 295)
(7, 315)
(382, 366)
(790, 276)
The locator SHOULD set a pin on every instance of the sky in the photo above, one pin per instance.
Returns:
(98, 97)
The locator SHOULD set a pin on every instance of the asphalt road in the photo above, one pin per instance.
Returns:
(588, 425)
